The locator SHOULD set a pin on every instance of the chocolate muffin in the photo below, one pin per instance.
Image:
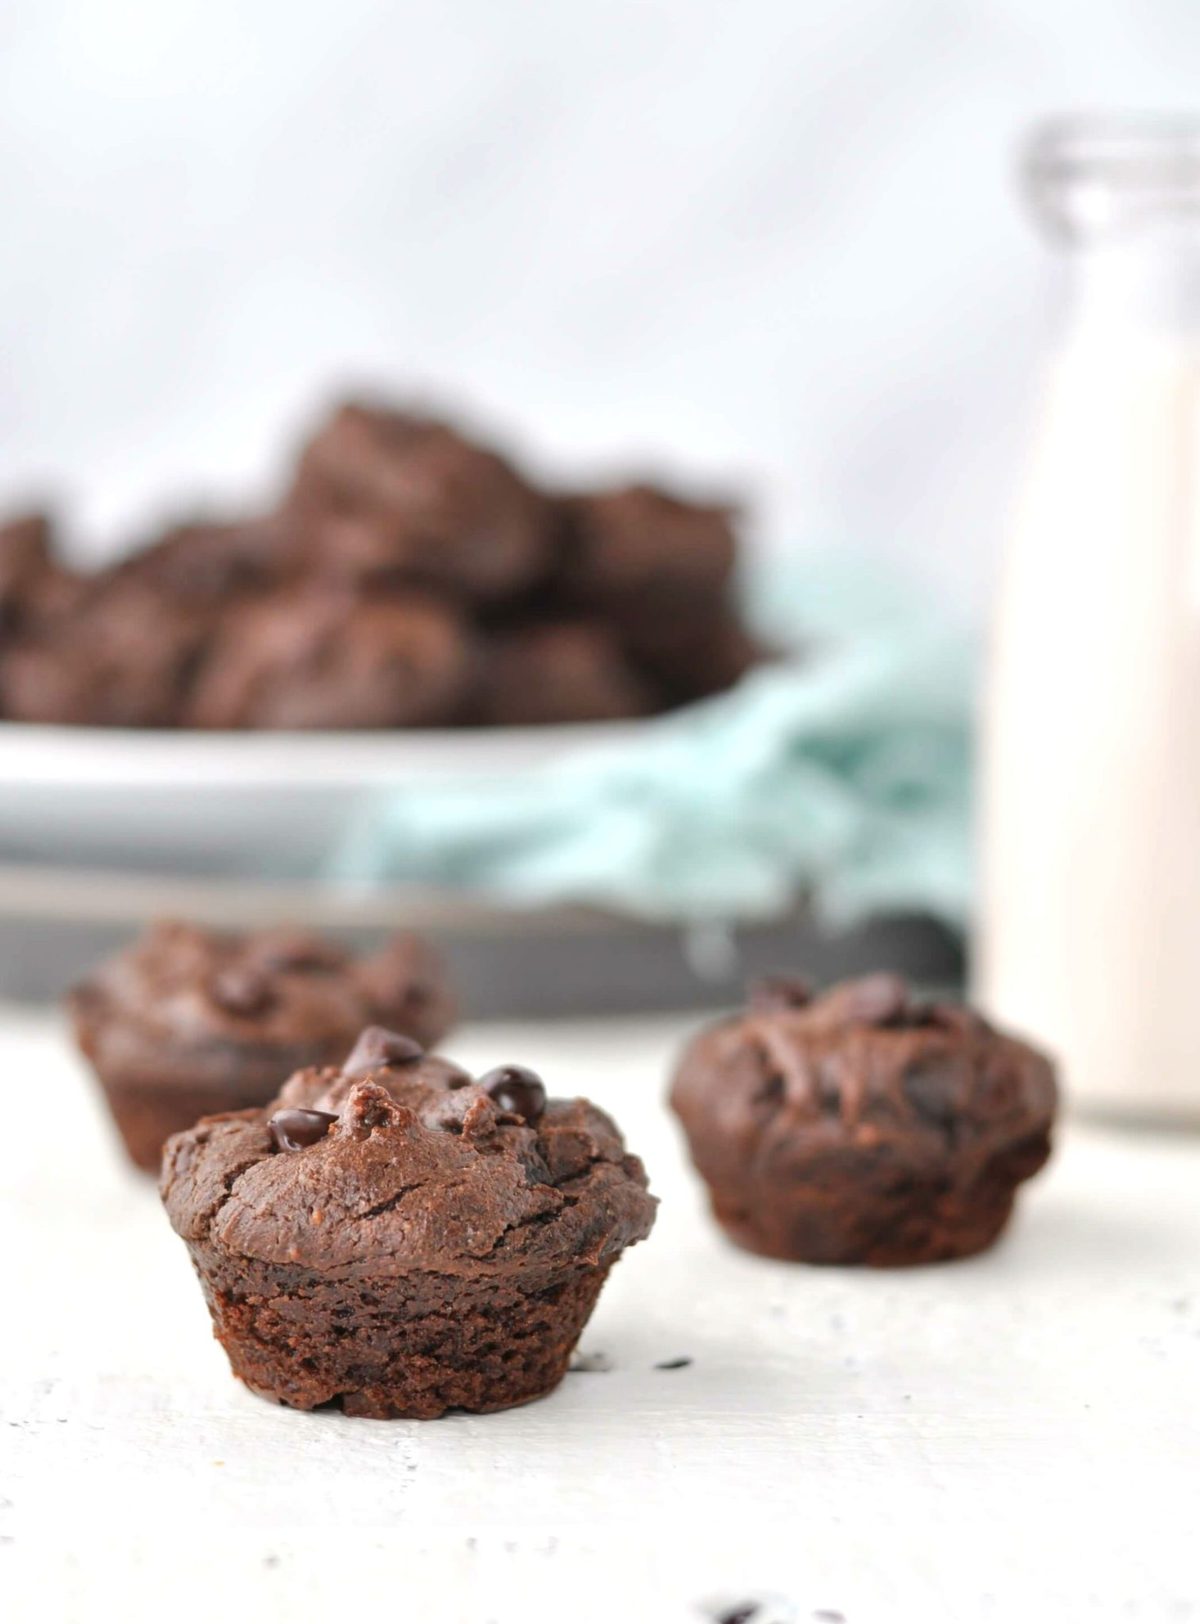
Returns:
(305, 657)
(391, 498)
(701, 650)
(121, 654)
(215, 561)
(24, 560)
(397, 1240)
(639, 546)
(188, 1022)
(560, 671)
(862, 1126)
(35, 585)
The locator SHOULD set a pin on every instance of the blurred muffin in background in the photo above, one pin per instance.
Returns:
(692, 655)
(624, 547)
(305, 657)
(122, 654)
(35, 584)
(557, 671)
(215, 560)
(189, 1022)
(394, 499)
(410, 578)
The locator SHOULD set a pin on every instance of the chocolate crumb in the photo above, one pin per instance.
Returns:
(590, 1364)
(673, 1364)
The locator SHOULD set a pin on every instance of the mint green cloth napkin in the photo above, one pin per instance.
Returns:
(840, 775)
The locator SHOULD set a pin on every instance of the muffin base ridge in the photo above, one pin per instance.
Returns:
(909, 1220)
(399, 1347)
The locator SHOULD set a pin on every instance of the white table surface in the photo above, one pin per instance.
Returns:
(1012, 1438)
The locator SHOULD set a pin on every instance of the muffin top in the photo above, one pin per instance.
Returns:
(401, 1161)
(863, 1064)
(283, 997)
(398, 497)
(620, 544)
(303, 657)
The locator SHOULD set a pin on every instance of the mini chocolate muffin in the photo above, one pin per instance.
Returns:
(559, 671)
(35, 586)
(215, 561)
(304, 657)
(121, 654)
(188, 1022)
(391, 498)
(24, 560)
(862, 1126)
(397, 1240)
(697, 652)
(639, 546)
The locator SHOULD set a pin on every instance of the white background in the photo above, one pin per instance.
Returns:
(773, 242)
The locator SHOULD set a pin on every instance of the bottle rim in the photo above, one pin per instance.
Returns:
(1089, 175)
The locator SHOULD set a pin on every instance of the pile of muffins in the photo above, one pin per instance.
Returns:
(410, 577)
(375, 1230)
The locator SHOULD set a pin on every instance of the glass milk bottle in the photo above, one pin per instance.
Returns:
(1090, 815)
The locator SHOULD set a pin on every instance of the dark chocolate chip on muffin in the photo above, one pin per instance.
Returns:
(862, 1125)
(188, 1022)
(397, 1240)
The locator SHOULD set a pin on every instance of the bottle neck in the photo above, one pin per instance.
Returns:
(1144, 287)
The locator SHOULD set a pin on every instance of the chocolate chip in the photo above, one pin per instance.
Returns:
(296, 1130)
(780, 992)
(243, 990)
(673, 1364)
(516, 1089)
(877, 1000)
(377, 1047)
(741, 1614)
